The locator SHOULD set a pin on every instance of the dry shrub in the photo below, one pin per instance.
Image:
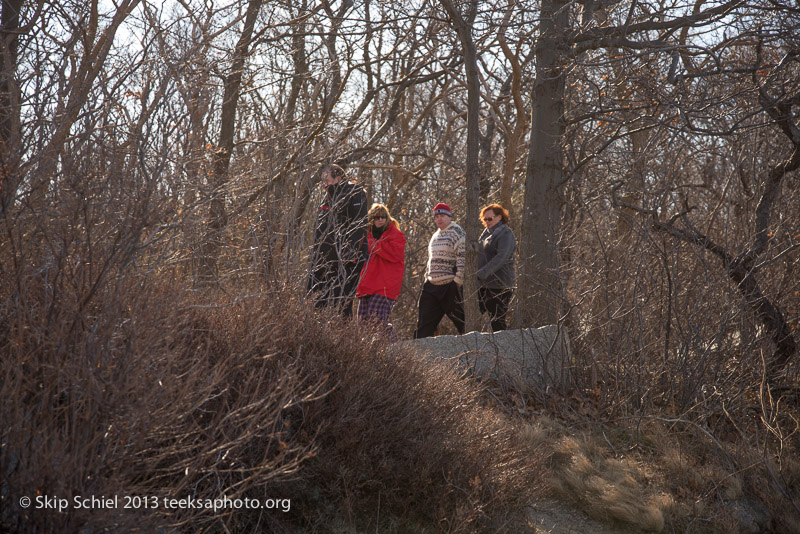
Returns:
(395, 436)
(675, 474)
(138, 405)
(775, 484)
(144, 391)
(735, 484)
(666, 336)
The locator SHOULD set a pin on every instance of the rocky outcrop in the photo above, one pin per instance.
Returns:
(529, 359)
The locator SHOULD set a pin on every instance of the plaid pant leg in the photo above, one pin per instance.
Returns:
(376, 309)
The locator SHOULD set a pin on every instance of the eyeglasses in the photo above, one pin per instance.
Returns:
(488, 219)
(375, 218)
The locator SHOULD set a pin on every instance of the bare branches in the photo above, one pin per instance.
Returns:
(615, 35)
(741, 270)
(391, 116)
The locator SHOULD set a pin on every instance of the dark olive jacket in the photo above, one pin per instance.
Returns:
(496, 258)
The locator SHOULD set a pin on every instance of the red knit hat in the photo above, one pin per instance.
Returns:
(443, 208)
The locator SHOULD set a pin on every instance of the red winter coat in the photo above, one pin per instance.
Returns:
(383, 273)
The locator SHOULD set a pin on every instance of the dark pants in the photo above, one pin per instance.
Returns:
(434, 303)
(495, 302)
(335, 286)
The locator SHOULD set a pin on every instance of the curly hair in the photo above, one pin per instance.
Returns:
(497, 209)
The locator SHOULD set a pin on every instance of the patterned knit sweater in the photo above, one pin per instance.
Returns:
(446, 256)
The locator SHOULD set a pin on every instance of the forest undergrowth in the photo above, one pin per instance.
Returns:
(153, 390)
(729, 464)
(144, 389)
(121, 375)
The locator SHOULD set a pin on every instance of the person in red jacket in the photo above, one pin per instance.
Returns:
(382, 276)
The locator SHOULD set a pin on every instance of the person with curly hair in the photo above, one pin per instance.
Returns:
(496, 277)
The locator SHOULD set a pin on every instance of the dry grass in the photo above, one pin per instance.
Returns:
(609, 489)
(669, 477)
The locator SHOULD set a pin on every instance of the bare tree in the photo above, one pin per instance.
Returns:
(473, 178)
(539, 284)
(776, 96)
(10, 146)
(218, 219)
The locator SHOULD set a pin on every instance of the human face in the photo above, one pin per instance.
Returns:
(491, 218)
(379, 220)
(442, 220)
(327, 179)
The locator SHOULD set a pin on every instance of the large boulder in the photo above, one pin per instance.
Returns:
(529, 359)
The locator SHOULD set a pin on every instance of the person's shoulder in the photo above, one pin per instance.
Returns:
(355, 193)
(355, 187)
(457, 229)
(507, 231)
(395, 232)
(453, 233)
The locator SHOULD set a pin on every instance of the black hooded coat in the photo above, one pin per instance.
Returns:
(340, 243)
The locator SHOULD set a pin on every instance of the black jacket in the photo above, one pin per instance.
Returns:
(496, 258)
(340, 233)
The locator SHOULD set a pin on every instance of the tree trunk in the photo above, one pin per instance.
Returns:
(9, 102)
(471, 223)
(539, 286)
(515, 136)
(218, 219)
(301, 73)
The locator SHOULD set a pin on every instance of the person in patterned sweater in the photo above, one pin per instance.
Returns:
(442, 293)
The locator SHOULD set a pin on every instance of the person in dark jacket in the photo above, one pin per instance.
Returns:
(496, 277)
(340, 241)
(382, 276)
